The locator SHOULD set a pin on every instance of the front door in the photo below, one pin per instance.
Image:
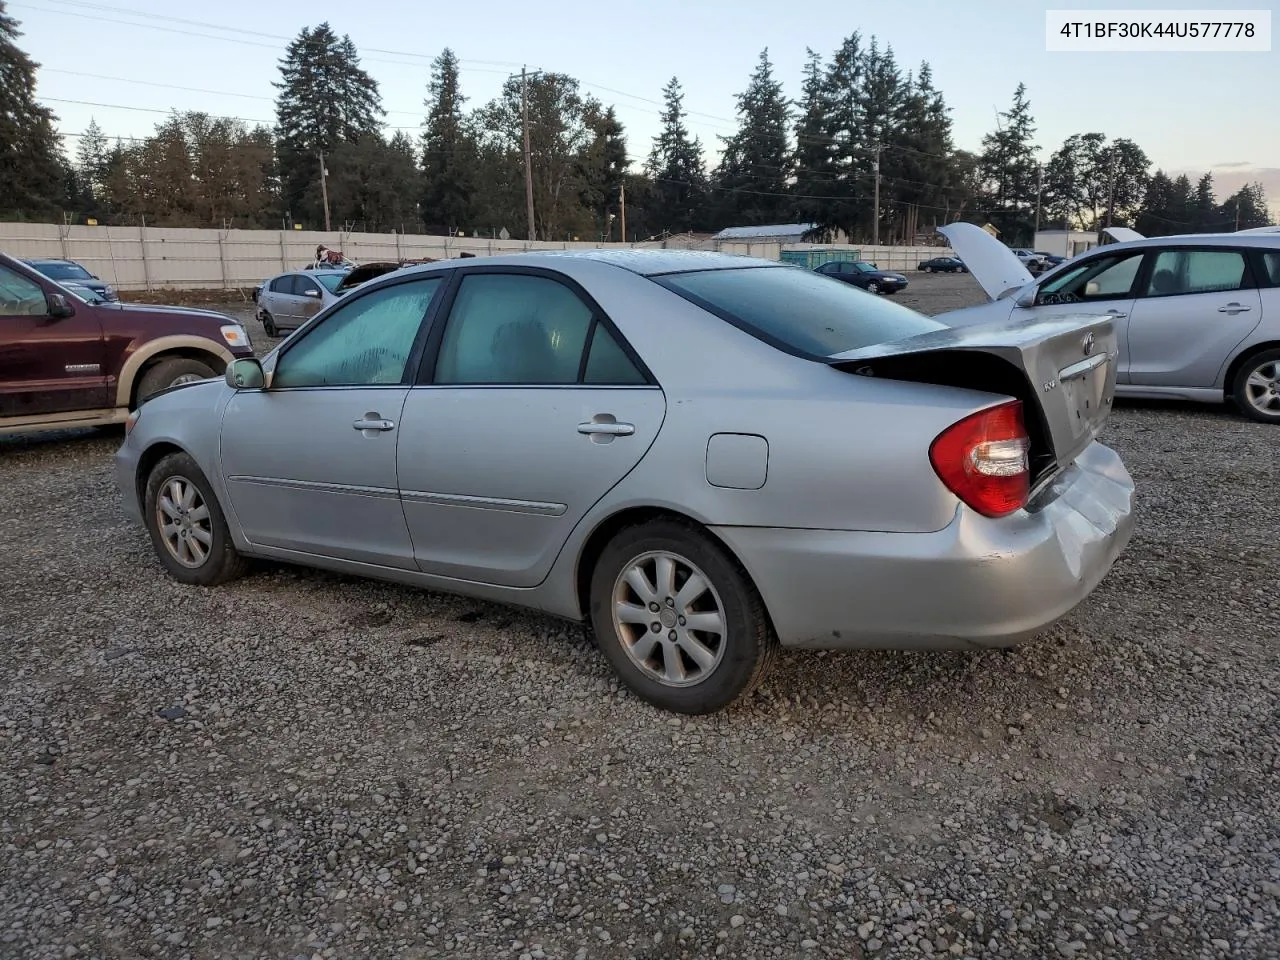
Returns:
(47, 365)
(1196, 306)
(310, 462)
(530, 413)
(307, 298)
(1102, 285)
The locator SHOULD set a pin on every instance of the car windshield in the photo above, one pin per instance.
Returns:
(84, 293)
(862, 267)
(64, 271)
(798, 310)
(330, 281)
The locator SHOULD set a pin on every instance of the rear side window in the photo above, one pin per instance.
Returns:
(282, 284)
(1196, 271)
(797, 310)
(1270, 269)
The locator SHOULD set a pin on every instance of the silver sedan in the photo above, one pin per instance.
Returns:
(705, 457)
(287, 301)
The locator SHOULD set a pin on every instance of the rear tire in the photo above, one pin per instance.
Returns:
(171, 373)
(187, 526)
(1257, 387)
(682, 667)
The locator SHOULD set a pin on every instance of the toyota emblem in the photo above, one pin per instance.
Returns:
(1088, 344)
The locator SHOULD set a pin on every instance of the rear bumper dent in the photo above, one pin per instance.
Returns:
(976, 583)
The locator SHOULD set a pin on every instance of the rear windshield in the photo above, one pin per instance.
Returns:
(64, 271)
(798, 310)
(330, 281)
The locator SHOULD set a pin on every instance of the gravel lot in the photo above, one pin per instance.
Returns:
(302, 765)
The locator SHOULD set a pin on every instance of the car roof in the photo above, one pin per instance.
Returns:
(35, 260)
(645, 262)
(1262, 241)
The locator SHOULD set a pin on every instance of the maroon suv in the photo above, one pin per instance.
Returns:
(66, 362)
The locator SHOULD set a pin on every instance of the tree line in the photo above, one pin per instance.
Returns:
(864, 129)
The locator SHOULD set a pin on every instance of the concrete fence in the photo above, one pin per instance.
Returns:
(150, 258)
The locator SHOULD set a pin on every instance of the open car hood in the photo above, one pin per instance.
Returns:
(992, 264)
(1122, 234)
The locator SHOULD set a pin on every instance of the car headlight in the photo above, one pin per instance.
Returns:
(235, 335)
(110, 292)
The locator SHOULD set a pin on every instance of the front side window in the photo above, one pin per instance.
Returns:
(20, 297)
(1196, 271)
(513, 328)
(304, 287)
(365, 342)
(796, 311)
(1102, 278)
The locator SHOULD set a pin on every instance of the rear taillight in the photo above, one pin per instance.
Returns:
(983, 460)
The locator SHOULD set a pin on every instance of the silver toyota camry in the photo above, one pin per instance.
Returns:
(706, 457)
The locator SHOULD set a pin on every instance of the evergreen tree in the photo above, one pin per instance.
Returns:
(1246, 208)
(91, 157)
(32, 172)
(850, 207)
(448, 149)
(1010, 170)
(325, 99)
(1153, 220)
(675, 165)
(1204, 207)
(603, 168)
(375, 184)
(1180, 213)
(814, 161)
(751, 182)
(923, 156)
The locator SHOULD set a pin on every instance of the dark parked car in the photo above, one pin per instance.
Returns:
(864, 275)
(944, 265)
(1052, 259)
(72, 272)
(69, 362)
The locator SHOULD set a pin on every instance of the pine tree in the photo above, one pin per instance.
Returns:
(1204, 207)
(32, 171)
(325, 99)
(675, 166)
(751, 182)
(603, 167)
(1153, 220)
(1246, 208)
(91, 157)
(850, 207)
(1010, 169)
(448, 149)
(814, 161)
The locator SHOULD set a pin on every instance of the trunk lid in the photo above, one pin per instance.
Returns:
(1061, 368)
(996, 268)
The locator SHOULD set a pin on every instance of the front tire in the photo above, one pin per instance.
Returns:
(187, 526)
(713, 643)
(1257, 387)
(172, 373)
(873, 287)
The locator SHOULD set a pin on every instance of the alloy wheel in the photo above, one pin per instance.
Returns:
(1262, 387)
(182, 518)
(669, 618)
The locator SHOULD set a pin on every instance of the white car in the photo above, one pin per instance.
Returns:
(1197, 317)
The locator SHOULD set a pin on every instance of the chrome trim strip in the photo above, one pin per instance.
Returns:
(486, 503)
(346, 488)
(1084, 366)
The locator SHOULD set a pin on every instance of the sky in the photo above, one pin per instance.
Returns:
(1191, 112)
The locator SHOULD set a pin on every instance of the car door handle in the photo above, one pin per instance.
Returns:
(1118, 314)
(608, 428)
(1233, 309)
(371, 421)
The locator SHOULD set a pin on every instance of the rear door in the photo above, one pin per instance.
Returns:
(310, 462)
(529, 409)
(1195, 305)
(47, 365)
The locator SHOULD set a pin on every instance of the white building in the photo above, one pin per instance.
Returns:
(775, 232)
(1065, 243)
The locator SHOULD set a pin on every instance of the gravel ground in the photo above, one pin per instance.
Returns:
(303, 765)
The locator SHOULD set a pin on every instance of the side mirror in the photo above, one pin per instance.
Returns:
(59, 307)
(1027, 298)
(245, 374)
(313, 293)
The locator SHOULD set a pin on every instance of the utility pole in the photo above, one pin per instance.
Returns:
(1111, 192)
(875, 229)
(324, 191)
(1039, 191)
(528, 167)
(622, 209)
